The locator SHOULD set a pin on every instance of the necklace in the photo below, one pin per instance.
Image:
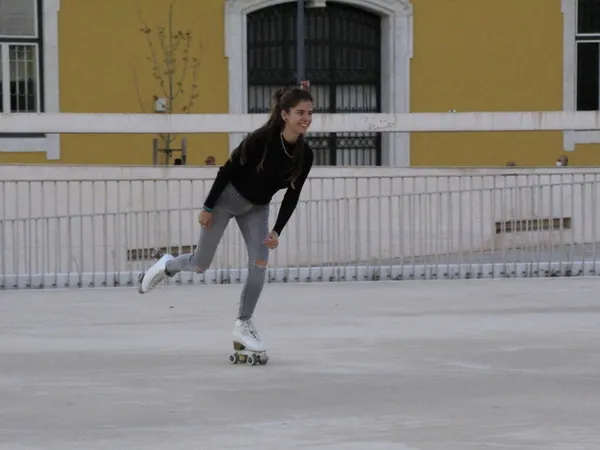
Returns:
(283, 145)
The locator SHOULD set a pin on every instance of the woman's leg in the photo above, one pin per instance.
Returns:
(254, 226)
(168, 266)
(230, 203)
(208, 243)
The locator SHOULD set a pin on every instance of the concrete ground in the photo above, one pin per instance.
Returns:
(413, 365)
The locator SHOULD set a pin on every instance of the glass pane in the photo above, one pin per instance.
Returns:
(1, 84)
(271, 48)
(356, 149)
(356, 99)
(17, 18)
(321, 143)
(23, 78)
(588, 16)
(588, 62)
(259, 98)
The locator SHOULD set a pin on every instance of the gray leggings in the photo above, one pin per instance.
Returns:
(253, 221)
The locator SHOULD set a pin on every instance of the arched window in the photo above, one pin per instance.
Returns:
(343, 65)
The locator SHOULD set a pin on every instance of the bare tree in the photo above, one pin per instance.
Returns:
(174, 68)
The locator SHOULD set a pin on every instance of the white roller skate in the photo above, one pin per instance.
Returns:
(248, 346)
(154, 275)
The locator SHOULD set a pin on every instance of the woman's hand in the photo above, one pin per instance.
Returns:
(205, 219)
(272, 240)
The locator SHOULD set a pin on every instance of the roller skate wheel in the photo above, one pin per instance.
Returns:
(233, 358)
(263, 360)
(251, 361)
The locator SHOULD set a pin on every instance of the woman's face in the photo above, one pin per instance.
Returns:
(299, 119)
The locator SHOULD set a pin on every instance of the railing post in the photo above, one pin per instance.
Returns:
(183, 151)
(155, 151)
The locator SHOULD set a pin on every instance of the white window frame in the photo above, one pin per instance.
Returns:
(396, 52)
(49, 143)
(572, 137)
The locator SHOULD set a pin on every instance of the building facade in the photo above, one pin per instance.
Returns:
(360, 56)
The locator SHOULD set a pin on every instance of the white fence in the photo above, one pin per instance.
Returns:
(96, 226)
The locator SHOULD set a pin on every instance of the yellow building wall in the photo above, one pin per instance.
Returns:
(585, 155)
(474, 55)
(469, 55)
(102, 50)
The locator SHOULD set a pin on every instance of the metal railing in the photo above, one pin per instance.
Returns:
(99, 231)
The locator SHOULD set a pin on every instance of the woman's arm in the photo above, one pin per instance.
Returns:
(224, 176)
(292, 195)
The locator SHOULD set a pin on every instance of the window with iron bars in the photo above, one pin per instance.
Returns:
(20, 56)
(588, 55)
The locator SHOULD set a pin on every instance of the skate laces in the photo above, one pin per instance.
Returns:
(249, 329)
(158, 277)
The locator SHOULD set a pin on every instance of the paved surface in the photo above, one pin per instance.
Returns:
(421, 365)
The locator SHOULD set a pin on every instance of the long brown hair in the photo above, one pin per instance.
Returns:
(283, 99)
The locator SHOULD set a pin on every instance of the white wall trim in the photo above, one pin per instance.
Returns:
(570, 137)
(50, 144)
(397, 50)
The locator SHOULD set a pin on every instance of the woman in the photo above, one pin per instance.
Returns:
(274, 157)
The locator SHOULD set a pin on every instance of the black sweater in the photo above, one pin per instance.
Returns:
(260, 187)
